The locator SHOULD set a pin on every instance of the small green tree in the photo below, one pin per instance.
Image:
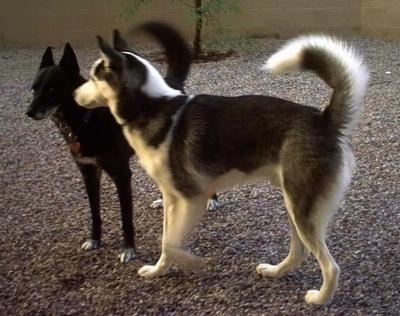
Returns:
(206, 11)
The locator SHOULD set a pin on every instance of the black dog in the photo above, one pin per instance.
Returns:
(94, 138)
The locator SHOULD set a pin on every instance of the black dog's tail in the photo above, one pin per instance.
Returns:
(337, 64)
(179, 56)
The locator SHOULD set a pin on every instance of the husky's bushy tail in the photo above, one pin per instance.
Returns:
(338, 65)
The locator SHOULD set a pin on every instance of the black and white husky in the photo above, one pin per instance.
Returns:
(195, 145)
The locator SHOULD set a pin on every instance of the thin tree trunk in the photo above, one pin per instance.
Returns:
(197, 34)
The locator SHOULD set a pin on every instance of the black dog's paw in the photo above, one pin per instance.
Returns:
(213, 205)
(91, 244)
(157, 204)
(127, 255)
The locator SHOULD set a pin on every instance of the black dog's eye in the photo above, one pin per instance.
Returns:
(49, 91)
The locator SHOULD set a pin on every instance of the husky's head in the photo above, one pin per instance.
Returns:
(54, 84)
(119, 78)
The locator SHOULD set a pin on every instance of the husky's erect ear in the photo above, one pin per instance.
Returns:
(47, 59)
(112, 58)
(119, 43)
(68, 60)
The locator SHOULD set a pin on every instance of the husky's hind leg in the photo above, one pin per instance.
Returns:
(314, 239)
(311, 227)
(297, 253)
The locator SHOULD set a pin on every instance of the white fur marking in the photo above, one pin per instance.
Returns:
(155, 86)
(86, 160)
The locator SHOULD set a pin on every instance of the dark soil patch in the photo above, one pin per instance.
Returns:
(204, 57)
(213, 56)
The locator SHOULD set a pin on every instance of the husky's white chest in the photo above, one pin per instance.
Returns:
(153, 160)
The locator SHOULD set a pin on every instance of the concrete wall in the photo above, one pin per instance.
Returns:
(46, 22)
(287, 18)
(381, 18)
(57, 21)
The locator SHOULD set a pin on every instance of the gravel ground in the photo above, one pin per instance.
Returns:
(44, 215)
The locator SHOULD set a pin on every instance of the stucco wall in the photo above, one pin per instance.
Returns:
(381, 18)
(48, 22)
(286, 18)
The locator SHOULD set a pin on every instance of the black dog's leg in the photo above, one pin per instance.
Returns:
(91, 177)
(121, 174)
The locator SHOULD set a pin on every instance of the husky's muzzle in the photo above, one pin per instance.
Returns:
(86, 95)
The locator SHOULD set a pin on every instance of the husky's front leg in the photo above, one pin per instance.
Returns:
(180, 214)
(164, 263)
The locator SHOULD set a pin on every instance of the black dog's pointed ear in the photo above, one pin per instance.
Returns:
(68, 60)
(119, 43)
(47, 59)
(112, 58)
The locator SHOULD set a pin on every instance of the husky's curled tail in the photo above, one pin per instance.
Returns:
(338, 65)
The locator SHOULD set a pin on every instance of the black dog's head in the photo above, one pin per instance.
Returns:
(54, 84)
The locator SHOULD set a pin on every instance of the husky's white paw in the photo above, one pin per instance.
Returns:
(314, 297)
(91, 244)
(157, 204)
(150, 272)
(269, 270)
(127, 255)
(213, 205)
